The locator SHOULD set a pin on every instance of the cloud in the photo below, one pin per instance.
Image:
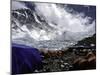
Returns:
(69, 26)
(18, 5)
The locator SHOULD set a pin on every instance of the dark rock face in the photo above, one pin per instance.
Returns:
(25, 59)
(23, 15)
(88, 41)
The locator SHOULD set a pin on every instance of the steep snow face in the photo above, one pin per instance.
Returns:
(49, 22)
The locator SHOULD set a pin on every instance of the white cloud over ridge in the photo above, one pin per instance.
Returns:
(69, 26)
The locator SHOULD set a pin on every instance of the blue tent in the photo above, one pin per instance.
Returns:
(25, 59)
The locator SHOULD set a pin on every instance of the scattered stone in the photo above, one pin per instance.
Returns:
(92, 44)
(62, 66)
(36, 71)
(66, 64)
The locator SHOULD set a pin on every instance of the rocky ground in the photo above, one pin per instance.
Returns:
(74, 58)
(69, 60)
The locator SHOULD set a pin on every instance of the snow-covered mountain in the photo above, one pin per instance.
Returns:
(49, 25)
